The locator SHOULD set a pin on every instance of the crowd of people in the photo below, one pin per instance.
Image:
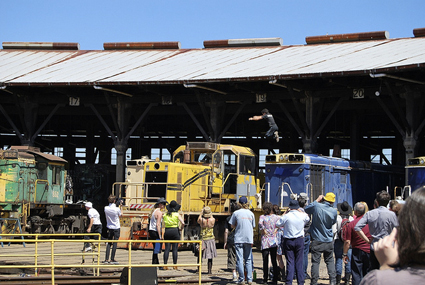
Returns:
(379, 246)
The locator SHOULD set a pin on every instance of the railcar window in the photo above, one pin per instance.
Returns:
(247, 165)
(56, 175)
(203, 157)
(230, 169)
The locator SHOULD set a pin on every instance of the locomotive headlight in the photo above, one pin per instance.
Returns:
(280, 157)
(285, 157)
(421, 161)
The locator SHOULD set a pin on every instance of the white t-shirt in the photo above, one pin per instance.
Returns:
(112, 213)
(94, 214)
(153, 222)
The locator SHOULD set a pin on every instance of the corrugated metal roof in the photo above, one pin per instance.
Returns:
(46, 67)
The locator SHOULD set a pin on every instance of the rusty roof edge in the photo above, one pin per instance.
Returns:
(364, 72)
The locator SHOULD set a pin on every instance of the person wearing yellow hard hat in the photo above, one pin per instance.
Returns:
(323, 217)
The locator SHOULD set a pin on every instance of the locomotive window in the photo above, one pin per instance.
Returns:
(247, 165)
(56, 175)
(41, 166)
(203, 157)
(179, 156)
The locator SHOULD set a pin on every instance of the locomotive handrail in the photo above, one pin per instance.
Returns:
(97, 265)
(145, 190)
(309, 188)
(282, 191)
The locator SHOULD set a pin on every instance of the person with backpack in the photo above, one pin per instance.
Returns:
(344, 217)
(360, 255)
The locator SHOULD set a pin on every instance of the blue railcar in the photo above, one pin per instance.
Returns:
(369, 178)
(288, 173)
(415, 171)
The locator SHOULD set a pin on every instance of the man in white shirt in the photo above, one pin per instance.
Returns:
(293, 223)
(112, 213)
(95, 225)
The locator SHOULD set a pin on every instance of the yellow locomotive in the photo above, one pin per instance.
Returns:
(200, 174)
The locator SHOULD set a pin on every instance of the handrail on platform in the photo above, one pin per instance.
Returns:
(95, 265)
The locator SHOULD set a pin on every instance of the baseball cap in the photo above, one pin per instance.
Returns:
(243, 200)
(88, 205)
(330, 197)
(293, 205)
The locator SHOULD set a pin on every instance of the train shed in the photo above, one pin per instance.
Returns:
(363, 92)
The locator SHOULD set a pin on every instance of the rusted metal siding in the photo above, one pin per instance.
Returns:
(40, 67)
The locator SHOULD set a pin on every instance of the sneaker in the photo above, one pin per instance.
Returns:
(87, 249)
(235, 278)
(105, 262)
(114, 262)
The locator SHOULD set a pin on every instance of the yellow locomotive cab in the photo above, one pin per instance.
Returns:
(200, 174)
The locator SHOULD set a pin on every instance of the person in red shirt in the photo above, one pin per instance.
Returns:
(360, 248)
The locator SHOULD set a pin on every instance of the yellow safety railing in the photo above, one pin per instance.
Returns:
(36, 266)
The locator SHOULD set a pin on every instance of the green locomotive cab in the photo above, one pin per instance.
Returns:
(32, 189)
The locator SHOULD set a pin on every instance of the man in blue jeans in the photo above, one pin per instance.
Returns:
(323, 217)
(243, 221)
(293, 223)
(302, 201)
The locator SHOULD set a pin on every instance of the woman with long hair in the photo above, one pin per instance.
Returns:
(268, 230)
(171, 224)
(401, 255)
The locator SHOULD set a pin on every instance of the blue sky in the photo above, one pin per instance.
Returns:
(92, 23)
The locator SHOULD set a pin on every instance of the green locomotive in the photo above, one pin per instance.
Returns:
(33, 190)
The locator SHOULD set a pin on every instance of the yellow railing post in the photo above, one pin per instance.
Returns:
(52, 261)
(129, 262)
(200, 262)
(36, 255)
(52, 254)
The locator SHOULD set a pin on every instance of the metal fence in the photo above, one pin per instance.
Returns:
(55, 241)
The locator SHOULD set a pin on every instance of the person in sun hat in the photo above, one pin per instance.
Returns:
(155, 228)
(345, 216)
(323, 217)
(172, 232)
(207, 222)
(95, 225)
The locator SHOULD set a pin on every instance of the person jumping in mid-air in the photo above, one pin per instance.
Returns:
(273, 131)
